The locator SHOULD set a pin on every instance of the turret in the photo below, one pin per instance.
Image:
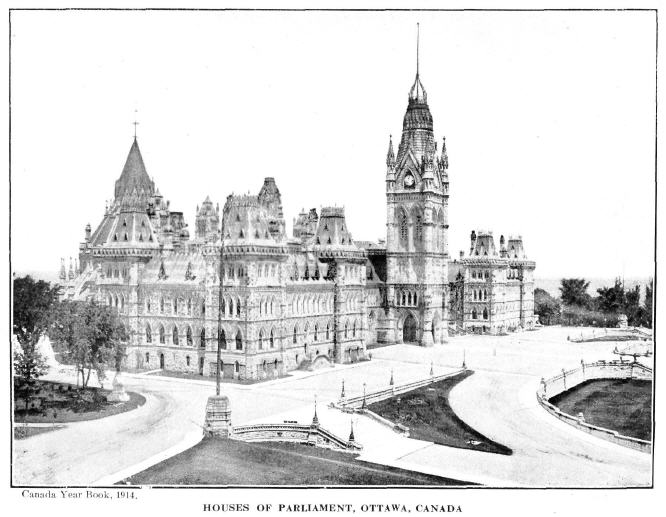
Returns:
(63, 272)
(472, 242)
(88, 232)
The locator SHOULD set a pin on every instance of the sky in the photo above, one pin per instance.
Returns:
(548, 118)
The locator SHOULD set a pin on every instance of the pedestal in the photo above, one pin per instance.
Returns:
(218, 416)
(118, 394)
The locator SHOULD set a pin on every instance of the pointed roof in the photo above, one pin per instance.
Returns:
(134, 176)
(390, 156)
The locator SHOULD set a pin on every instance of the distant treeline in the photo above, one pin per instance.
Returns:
(575, 306)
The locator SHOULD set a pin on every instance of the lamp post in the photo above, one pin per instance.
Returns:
(220, 298)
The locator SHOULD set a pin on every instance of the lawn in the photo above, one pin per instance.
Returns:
(216, 461)
(60, 403)
(623, 405)
(21, 431)
(429, 416)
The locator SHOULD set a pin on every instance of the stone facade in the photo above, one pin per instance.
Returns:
(492, 292)
(315, 298)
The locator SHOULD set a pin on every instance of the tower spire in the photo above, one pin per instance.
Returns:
(418, 34)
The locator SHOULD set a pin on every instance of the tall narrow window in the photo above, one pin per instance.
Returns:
(239, 341)
(261, 340)
(149, 334)
(202, 338)
(272, 339)
(175, 335)
(189, 336)
(418, 229)
(162, 334)
(402, 221)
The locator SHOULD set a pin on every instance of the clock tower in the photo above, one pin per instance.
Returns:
(417, 194)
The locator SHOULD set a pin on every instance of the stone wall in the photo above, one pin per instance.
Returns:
(588, 371)
(291, 432)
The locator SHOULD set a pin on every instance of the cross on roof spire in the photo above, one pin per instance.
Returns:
(135, 124)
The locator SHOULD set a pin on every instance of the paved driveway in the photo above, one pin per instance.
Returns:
(498, 400)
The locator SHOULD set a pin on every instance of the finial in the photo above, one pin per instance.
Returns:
(315, 419)
(135, 124)
(351, 431)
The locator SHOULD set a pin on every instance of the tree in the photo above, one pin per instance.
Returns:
(28, 367)
(647, 308)
(33, 304)
(32, 312)
(574, 292)
(546, 307)
(612, 299)
(89, 336)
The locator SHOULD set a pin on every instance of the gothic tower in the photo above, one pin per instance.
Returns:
(417, 192)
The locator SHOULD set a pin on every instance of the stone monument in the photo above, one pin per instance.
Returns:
(218, 416)
(118, 394)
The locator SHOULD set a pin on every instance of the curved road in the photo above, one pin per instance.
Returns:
(499, 400)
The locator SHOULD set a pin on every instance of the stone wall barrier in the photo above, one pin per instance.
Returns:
(568, 379)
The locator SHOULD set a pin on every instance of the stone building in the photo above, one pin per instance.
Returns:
(275, 302)
(491, 291)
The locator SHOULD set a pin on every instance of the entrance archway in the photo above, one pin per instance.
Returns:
(162, 361)
(409, 330)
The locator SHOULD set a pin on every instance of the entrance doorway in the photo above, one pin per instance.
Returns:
(162, 361)
(409, 330)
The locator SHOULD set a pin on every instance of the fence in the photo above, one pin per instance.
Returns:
(589, 371)
(392, 391)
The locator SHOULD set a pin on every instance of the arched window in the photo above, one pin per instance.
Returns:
(187, 360)
(416, 299)
(202, 338)
(346, 329)
(272, 339)
(174, 335)
(485, 294)
(148, 305)
(474, 294)
(239, 341)
(162, 338)
(237, 367)
(162, 305)
(223, 307)
(409, 298)
(316, 332)
(223, 339)
(261, 307)
(189, 336)
(261, 340)
(116, 300)
(238, 307)
(147, 357)
(402, 222)
(295, 340)
(175, 306)
(354, 330)
(203, 308)
(122, 302)
(473, 314)
(149, 334)
(485, 314)
(231, 307)
(189, 306)
(271, 307)
(328, 331)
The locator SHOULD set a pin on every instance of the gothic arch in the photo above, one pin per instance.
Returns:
(403, 224)
(417, 222)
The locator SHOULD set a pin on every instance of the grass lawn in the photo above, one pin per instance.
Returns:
(622, 405)
(217, 461)
(197, 377)
(429, 416)
(59, 403)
